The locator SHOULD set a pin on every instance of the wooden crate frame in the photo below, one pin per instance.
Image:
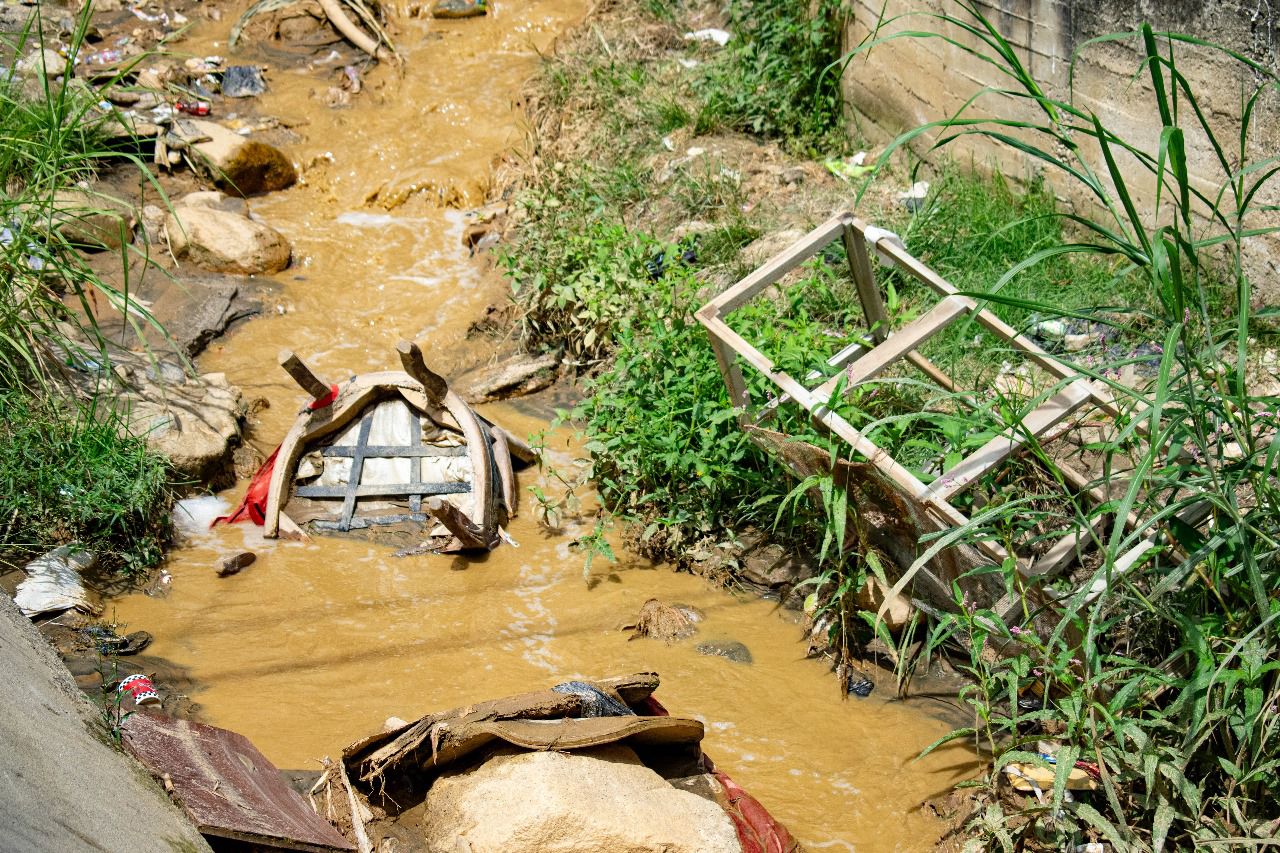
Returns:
(865, 363)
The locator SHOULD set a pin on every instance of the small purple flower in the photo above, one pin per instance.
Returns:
(1186, 315)
(1016, 631)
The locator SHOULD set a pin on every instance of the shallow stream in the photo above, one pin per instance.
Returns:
(317, 643)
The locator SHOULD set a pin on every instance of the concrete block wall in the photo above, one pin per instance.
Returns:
(905, 83)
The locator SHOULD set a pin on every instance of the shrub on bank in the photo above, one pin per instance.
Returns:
(66, 472)
(68, 475)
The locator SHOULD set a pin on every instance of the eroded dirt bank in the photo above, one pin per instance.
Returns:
(317, 643)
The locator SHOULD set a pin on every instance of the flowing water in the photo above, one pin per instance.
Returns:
(317, 643)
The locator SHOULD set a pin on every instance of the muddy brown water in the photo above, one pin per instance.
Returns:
(317, 643)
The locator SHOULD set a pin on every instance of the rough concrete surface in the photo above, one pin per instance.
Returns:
(905, 83)
(62, 788)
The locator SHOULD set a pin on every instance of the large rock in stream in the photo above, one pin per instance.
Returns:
(238, 165)
(595, 801)
(216, 232)
(194, 421)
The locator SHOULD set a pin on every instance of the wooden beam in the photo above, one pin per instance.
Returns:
(864, 278)
(469, 534)
(961, 475)
(433, 384)
(382, 490)
(896, 346)
(778, 266)
(303, 375)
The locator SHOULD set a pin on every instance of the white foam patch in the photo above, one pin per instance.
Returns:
(192, 516)
(361, 219)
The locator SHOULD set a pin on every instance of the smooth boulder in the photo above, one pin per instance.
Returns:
(215, 232)
(239, 165)
(594, 801)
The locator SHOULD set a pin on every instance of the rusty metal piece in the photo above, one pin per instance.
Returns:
(226, 786)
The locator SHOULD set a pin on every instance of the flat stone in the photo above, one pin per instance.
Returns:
(232, 565)
(731, 649)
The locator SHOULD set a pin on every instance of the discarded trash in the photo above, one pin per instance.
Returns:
(441, 760)
(720, 37)
(140, 688)
(243, 81)
(193, 108)
(226, 786)
(667, 622)
(688, 63)
(731, 650)
(229, 566)
(595, 702)
(53, 582)
(913, 199)
(861, 687)
(394, 452)
(130, 644)
(160, 586)
(657, 265)
(849, 168)
(101, 57)
(351, 79)
(459, 8)
(1030, 777)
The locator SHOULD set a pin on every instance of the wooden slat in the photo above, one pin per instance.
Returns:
(778, 266)
(739, 396)
(303, 375)
(382, 490)
(897, 345)
(864, 278)
(850, 353)
(357, 470)
(960, 476)
(1065, 550)
(379, 451)
(507, 477)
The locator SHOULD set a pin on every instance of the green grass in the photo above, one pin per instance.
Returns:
(776, 77)
(68, 475)
(66, 472)
(54, 138)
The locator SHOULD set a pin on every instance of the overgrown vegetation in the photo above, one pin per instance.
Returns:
(1161, 669)
(779, 75)
(71, 477)
(67, 473)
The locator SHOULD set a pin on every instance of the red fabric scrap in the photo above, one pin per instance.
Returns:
(758, 831)
(254, 504)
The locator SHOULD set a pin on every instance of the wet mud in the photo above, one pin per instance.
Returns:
(315, 644)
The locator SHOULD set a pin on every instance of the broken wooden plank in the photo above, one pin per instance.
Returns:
(303, 375)
(960, 476)
(433, 384)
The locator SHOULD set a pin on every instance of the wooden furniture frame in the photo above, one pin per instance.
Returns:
(864, 363)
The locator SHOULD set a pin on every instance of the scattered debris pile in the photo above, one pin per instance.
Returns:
(389, 454)
(596, 766)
